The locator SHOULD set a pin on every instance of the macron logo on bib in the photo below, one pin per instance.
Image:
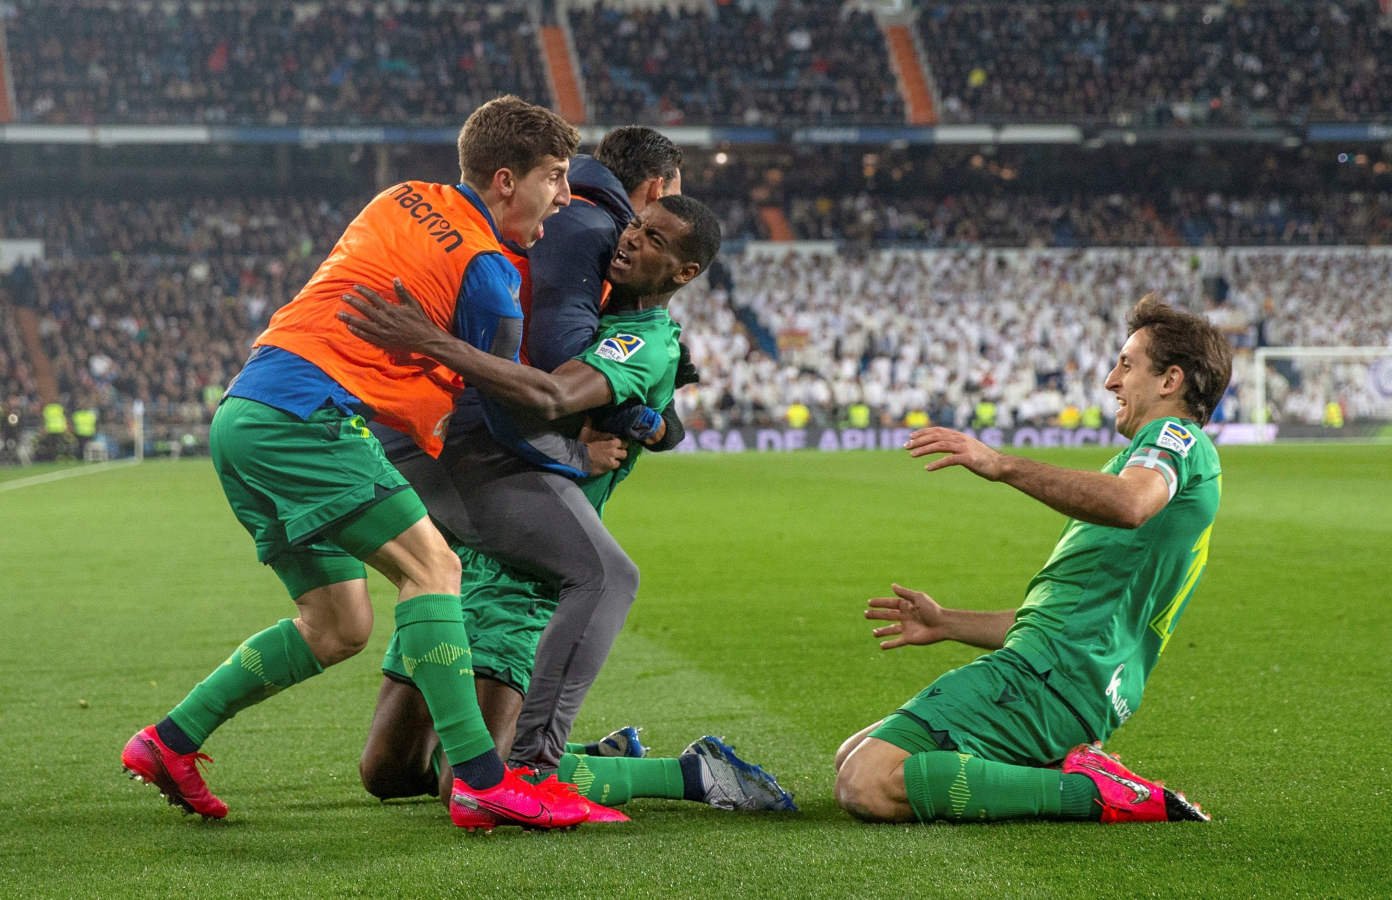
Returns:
(1175, 437)
(619, 347)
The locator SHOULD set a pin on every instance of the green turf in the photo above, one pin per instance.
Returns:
(122, 588)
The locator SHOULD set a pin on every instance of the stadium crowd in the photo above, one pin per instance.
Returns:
(939, 334)
(753, 63)
(915, 315)
(1032, 220)
(268, 63)
(1017, 197)
(1159, 63)
(743, 64)
(158, 300)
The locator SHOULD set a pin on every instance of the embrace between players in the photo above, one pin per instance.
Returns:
(499, 488)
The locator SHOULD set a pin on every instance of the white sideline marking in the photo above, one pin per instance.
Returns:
(65, 473)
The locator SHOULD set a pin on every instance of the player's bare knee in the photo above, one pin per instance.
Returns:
(446, 561)
(869, 782)
(853, 793)
(439, 569)
(348, 636)
(334, 640)
(333, 649)
(380, 772)
(351, 643)
(849, 745)
(862, 792)
(371, 771)
(845, 750)
(419, 561)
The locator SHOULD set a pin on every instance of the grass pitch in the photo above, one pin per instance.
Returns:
(122, 588)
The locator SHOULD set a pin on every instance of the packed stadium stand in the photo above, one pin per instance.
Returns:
(875, 271)
(1191, 62)
(793, 62)
(256, 61)
(268, 62)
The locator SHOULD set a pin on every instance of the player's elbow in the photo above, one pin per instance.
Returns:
(551, 403)
(1133, 513)
(541, 398)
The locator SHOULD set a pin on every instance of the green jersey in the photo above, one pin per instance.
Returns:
(1099, 613)
(637, 354)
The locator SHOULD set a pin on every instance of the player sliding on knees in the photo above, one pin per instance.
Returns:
(1018, 733)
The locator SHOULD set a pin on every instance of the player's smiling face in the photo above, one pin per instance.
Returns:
(646, 260)
(533, 197)
(1141, 393)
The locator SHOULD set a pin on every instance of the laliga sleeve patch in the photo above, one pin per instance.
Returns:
(619, 347)
(1176, 437)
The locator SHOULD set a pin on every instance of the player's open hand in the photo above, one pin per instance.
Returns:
(607, 452)
(401, 327)
(913, 616)
(961, 450)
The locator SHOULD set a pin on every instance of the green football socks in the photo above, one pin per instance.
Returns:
(962, 788)
(435, 650)
(264, 665)
(612, 780)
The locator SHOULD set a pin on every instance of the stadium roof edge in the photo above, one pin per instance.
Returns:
(703, 136)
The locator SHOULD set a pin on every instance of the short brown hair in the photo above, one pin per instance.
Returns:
(510, 133)
(1190, 342)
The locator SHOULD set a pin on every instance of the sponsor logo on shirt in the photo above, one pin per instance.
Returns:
(619, 347)
(1175, 437)
(436, 225)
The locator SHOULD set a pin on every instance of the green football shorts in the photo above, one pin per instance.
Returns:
(317, 495)
(504, 611)
(994, 708)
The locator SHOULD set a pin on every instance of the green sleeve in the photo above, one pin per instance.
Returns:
(635, 366)
(1164, 446)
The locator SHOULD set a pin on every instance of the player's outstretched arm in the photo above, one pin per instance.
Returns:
(1127, 500)
(403, 327)
(916, 618)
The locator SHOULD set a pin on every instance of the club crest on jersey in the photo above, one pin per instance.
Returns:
(619, 347)
(1176, 437)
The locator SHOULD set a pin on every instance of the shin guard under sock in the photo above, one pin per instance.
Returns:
(962, 788)
(264, 665)
(435, 652)
(612, 780)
